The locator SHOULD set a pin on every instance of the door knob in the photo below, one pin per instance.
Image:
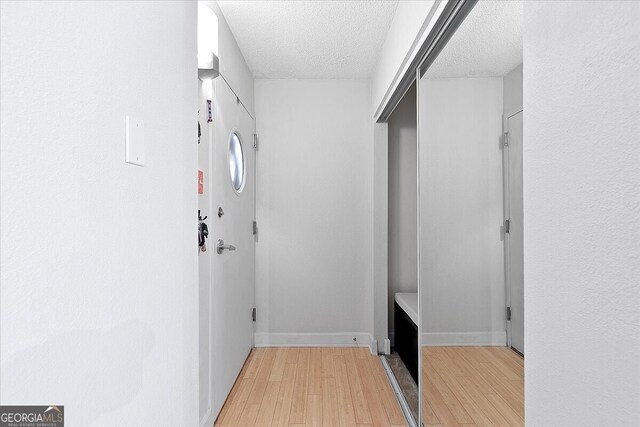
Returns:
(221, 246)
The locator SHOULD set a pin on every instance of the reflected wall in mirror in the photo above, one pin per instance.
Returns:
(471, 218)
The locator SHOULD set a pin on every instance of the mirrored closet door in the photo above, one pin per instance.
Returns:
(402, 265)
(470, 222)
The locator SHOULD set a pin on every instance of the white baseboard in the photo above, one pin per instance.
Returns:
(492, 338)
(387, 347)
(341, 339)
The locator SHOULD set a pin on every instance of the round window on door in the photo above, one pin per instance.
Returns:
(236, 162)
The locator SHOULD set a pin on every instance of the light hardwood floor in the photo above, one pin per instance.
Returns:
(468, 386)
(311, 387)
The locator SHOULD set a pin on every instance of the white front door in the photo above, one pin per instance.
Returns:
(231, 227)
(515, 237)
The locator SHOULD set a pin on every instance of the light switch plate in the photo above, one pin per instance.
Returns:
(134, 141)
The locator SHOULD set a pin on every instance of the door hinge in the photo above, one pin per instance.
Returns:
(253, 314)
(255, 141)
(255, 228)
(507, 226)
(505, 139)
(508, 313)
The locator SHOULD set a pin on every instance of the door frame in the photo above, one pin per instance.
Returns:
(210, 89)
(507, 215)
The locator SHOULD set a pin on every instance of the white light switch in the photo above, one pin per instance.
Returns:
(134, 141)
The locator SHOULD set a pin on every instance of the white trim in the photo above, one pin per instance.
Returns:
(387, 347)
(337, 339)
(419, 239)
(207, 419)
(373, 347)
(408, 302)
(506, 213)
(428, 24)
(491, 338)
(236, 132)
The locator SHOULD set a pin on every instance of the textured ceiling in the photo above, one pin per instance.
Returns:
(487, 44)
(310, 39)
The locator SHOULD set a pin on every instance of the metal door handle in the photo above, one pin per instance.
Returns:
(221, 246)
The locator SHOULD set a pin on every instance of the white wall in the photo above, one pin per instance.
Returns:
(512, 91)
(462, 259)
(99, 290)
(411, 24)
(314, 251)
(403, 201)
(582, 213)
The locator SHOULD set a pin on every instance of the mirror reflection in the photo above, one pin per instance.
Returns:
(471, 223)
(402, 255)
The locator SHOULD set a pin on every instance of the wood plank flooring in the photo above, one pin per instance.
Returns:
(462, 386)
(472, 386)
(311, 387)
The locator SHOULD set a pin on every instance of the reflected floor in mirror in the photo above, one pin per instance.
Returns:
(472, 386)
